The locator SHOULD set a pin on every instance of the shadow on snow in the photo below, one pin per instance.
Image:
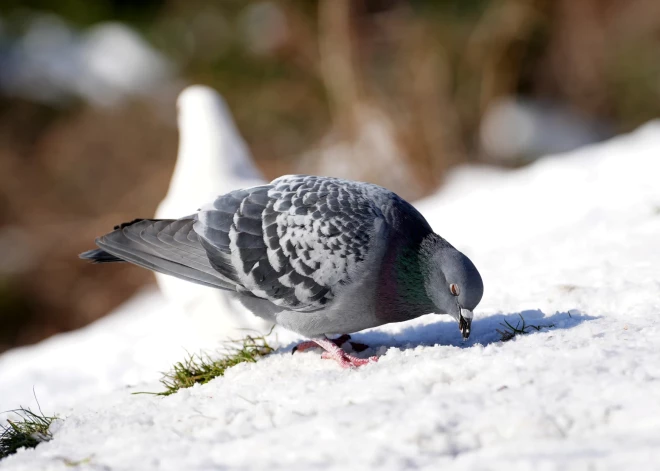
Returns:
(484, 330)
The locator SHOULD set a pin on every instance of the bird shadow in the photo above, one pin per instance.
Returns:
(485, 330)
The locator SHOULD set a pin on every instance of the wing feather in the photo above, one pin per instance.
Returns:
(152, 244)
(294, 242)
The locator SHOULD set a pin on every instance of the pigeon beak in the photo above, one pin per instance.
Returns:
(465, 322)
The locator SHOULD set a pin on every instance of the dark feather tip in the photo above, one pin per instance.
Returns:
(126, 224)
(99, 256)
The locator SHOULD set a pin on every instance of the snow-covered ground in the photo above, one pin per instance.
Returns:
(572, 241)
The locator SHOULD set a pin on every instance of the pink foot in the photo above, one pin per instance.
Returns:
(333, 351)
(302, 346)
(344, 359)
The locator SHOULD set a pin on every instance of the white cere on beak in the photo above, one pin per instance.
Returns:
(465, 323)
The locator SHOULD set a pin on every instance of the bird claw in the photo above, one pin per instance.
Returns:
(301, 347)
(348, 361)
(333, 351)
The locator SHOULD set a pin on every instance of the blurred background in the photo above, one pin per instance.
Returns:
(396, 92)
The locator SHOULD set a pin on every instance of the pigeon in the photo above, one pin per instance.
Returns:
(212, 159)
(319, 256)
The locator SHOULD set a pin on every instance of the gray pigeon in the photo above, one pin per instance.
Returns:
(316, 255)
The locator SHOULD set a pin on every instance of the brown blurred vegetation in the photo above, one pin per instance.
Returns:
(297, 83)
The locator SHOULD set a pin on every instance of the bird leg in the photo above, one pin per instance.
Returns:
(333, 350)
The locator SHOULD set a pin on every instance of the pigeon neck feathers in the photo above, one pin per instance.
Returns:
(403, 294)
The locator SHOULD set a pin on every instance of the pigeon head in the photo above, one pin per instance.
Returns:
(452, 282)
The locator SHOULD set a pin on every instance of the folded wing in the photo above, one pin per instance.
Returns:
(293, 242)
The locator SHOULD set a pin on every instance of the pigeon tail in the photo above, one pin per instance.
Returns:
(167, 246)
(100, 256)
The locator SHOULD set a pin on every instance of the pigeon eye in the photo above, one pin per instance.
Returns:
(454, 289)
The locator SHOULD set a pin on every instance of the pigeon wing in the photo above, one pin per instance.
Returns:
(293, 242)
(163, 245)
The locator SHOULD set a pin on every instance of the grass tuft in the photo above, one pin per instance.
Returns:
(201, 368)
(510, 331)
(27, 432)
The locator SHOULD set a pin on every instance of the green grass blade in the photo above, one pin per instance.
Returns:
(201, 368)
(27, 432)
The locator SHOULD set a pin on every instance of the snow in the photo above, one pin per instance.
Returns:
(212, 159)
(572, 240)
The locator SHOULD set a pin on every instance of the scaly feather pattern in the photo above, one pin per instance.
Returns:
(292, 242)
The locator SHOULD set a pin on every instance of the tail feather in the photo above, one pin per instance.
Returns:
(158, 244)
(99, 256)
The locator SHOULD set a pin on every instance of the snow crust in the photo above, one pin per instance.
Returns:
(572, 241)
